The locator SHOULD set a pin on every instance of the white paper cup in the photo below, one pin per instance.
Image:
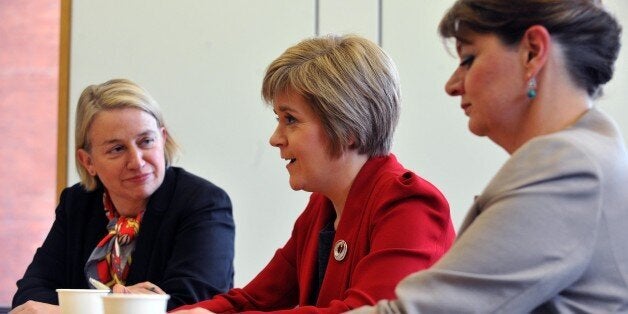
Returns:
(81, 301)
(122, 303)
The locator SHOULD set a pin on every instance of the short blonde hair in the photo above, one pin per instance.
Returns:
(112, 95)
(351, 84)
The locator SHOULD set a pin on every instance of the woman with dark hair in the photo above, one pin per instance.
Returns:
(548, 234)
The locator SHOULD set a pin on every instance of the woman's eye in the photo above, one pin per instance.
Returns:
(290, 119)
(286, 119)
(116, 149)
(146, 142)
(467, 61)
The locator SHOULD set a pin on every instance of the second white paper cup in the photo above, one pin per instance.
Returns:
(118, 303)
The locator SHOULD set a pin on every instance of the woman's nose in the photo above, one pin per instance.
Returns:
(276, 139)
(455, 86)
(136, 159)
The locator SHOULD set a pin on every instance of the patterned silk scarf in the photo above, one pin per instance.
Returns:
(110, 260)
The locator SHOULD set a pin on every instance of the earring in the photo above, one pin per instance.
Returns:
(531, 88)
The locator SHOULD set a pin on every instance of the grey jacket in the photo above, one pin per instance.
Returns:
(549, 234)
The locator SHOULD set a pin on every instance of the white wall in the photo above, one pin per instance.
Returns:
(203, 60)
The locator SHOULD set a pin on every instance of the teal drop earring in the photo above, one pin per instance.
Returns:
(531, 88)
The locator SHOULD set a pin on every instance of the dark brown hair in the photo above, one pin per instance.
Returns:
(588, 34)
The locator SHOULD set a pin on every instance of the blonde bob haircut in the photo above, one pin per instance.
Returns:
(112, 95)
(351, 84)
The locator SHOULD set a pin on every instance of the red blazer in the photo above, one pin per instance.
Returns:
(394, 223)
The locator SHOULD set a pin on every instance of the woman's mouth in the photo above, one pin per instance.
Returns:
(465, 107)
(290, 161)
(140, 178)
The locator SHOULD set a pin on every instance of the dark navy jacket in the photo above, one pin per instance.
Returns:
(185, 244)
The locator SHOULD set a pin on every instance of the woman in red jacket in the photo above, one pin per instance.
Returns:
(369, 221)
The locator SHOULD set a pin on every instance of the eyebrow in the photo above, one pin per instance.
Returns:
(462, 41)
(115, 140)
(283, 108)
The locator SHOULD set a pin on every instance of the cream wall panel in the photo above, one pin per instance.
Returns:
(349, 16)
(203, 60)
(615, 98)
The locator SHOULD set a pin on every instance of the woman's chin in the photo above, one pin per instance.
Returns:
(297, 186)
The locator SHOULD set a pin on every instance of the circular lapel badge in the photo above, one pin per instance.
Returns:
(340, 250)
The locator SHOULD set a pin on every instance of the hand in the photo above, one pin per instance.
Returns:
(140, 288)
(196, 310)
(363, 310)
(34, 307)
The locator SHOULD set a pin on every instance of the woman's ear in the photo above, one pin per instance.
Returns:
(86, 161)
(351, 142)
(535, 48)
(164, 134)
